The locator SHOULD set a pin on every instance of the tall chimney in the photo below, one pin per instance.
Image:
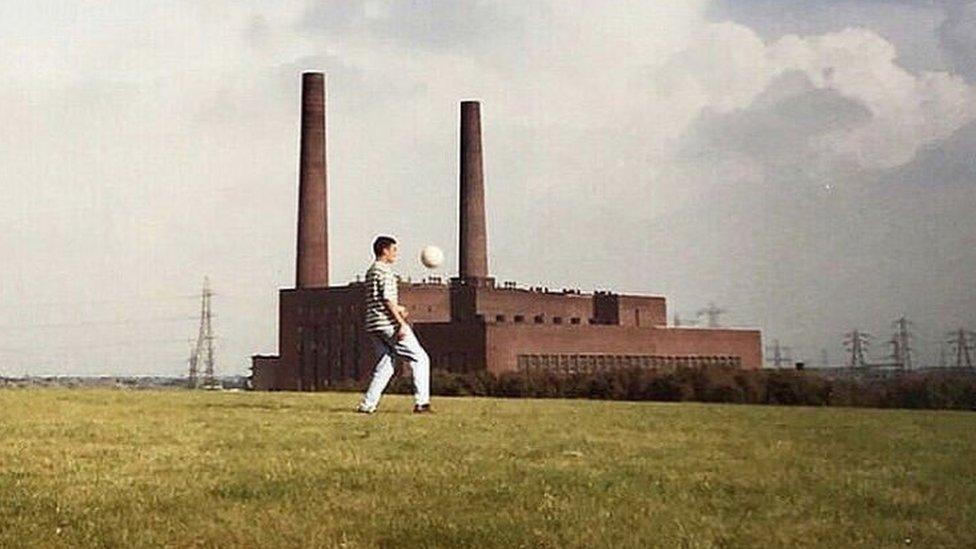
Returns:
(312, 270)
(473, 258)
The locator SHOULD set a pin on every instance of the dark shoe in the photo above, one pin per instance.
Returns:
(421, 409)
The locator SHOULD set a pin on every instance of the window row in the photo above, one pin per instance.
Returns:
(538, 319)
(583, 363)
(324, 311)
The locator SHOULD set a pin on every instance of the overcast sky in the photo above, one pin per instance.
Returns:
(808, 166)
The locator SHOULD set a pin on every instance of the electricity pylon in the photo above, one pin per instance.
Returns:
(901, 342)
(203, 350)
(961, 340)
(781, 355)
(679, 323)
(712, 312)
(855, 342)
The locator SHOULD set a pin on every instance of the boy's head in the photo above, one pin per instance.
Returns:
(385, 248)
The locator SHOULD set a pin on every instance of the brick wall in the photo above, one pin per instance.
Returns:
(505, 342)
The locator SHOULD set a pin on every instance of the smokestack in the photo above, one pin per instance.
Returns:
(312, 270)
(474, 237)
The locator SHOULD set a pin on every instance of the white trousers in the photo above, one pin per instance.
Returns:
(387, 347)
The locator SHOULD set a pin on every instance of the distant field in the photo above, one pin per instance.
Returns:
(147, 468)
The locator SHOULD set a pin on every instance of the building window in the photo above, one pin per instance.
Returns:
(557, 320)
(519, 318)
(574, 320)
(539, 319)
(499, 318)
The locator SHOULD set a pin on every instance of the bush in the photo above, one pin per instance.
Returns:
(796, 388)
(932, 390)
(667, 388)
(510, 384)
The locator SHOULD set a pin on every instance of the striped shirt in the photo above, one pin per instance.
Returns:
(381, 284)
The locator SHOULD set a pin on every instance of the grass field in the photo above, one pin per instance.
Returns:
(148, 468)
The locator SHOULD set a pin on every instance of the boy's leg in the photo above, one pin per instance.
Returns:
(381, 374)
(410, 350)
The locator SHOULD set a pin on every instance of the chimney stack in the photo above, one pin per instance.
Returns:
(473, 268)
(312, 270)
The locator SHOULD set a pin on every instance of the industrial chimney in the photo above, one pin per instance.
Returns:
(473, 246)
(312, 270)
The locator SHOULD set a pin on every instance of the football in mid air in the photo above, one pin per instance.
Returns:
(431, 257)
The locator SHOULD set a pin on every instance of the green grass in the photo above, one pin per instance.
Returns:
(129, 469)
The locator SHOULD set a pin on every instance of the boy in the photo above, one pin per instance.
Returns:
(388, 331)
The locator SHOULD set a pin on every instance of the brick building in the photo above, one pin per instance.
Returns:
(467, 323)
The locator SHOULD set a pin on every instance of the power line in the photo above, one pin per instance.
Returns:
(75, 346)
(98, 323)
(123, 301)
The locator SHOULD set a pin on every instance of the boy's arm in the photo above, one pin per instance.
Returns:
(394, 309)
(388, 292)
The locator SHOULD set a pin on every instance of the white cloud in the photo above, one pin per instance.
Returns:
(728, 66)
(908, 110)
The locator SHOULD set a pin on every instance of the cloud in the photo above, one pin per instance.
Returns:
(911, 25)
(846, 173)
(728, 67)
(958, 37)
(781, 131)
(647, 147)
(907, 109)
(457, 27)
(944, 162)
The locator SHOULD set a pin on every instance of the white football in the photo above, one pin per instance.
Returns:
(431, 257)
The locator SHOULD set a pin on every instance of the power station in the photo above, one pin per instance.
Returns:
(468, 323)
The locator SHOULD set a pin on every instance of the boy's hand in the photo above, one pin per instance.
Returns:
(401, 332)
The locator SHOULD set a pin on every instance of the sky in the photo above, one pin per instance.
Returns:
(810, 167)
